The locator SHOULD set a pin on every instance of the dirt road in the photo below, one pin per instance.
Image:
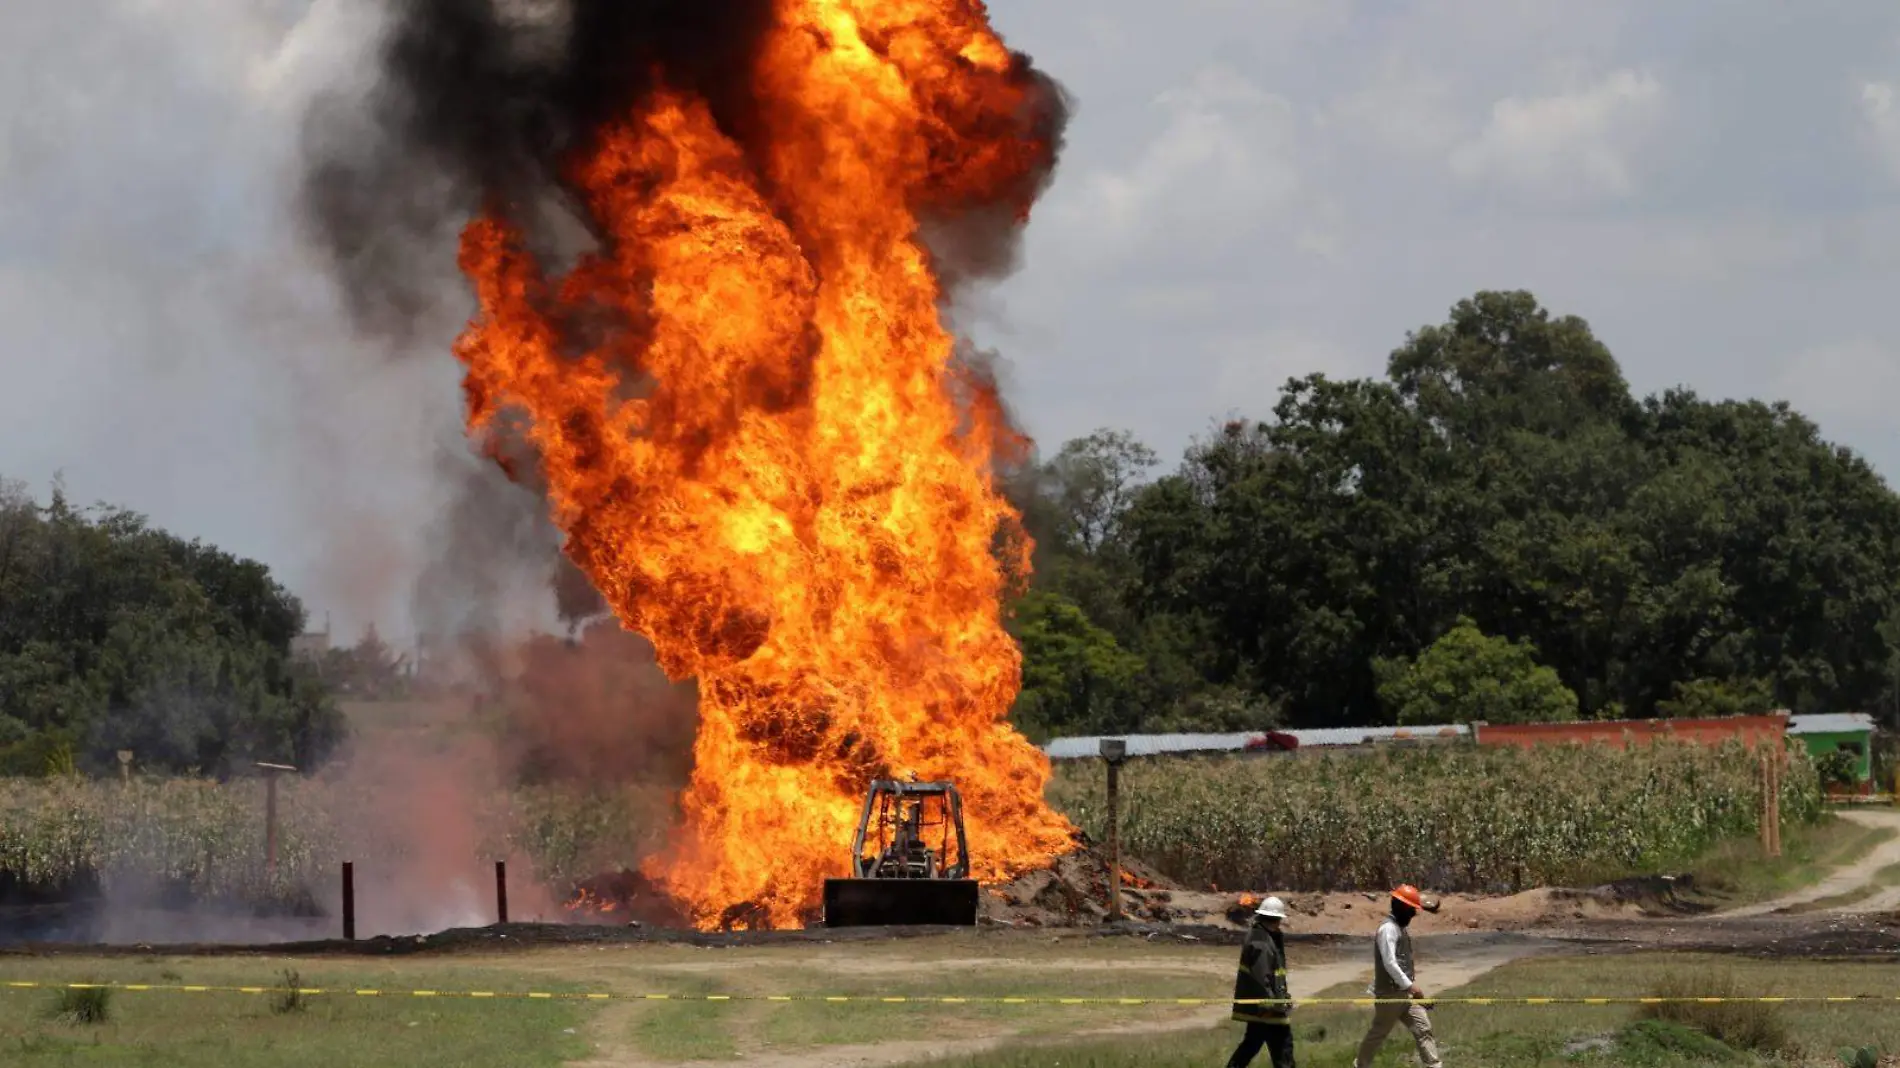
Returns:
(1848, 879)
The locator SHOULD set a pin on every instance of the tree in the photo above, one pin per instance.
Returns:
(1713, 698)
(1467, 676)
(369, 670)
(1074, 673)
(114, 635)
(1500, 472)
(1093, 479)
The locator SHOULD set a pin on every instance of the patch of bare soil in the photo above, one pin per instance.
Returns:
(1819, 934)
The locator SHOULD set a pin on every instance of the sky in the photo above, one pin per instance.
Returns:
(1251, 190)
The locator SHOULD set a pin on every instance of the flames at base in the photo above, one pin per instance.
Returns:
(762, 450)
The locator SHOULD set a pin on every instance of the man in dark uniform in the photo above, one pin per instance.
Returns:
(1262, 977)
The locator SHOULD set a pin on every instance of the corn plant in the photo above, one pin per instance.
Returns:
(1454, 818)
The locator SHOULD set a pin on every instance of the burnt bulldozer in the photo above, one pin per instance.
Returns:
(910, 862)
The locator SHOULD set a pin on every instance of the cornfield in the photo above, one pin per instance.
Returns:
(205, 840)
(1453, 819)
(1463, 818)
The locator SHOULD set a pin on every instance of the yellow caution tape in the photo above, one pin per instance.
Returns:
(319, 991)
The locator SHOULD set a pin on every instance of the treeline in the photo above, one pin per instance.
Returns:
(116, 636)
(1496, 529)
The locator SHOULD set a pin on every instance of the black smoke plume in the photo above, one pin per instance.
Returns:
(479, 102)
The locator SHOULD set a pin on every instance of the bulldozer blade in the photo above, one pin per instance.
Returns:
(900, 902)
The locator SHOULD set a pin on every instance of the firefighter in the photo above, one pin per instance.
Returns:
(1262, 976)
(1395, 984)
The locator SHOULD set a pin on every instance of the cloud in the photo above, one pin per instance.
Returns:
(1254, 365)
(1222, 162)
(1407, 109)
(1574, 145)
(1852, 382)
(1880, 118)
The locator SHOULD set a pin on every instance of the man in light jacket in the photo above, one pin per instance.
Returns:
(1395, 984)
(1262, 979)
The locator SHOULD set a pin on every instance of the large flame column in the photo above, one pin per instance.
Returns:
(755, 438)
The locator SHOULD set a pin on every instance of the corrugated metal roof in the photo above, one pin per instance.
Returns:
(1831, 723)
(1364, 735)
(1155, 744)
(1148, 744)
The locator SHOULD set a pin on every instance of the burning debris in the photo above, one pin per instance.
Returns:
(623, 897)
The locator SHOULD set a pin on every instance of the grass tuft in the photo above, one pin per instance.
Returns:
(288, 996)
(81, 1006)
(1737, 1024)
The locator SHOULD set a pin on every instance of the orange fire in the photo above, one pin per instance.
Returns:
(760, 447)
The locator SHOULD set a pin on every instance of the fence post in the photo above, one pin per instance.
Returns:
(1761, 769)
(1114, 751)
(349, 901)
(501, 891)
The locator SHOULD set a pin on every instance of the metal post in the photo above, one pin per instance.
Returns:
(501, 891)
(1114, 751)
(349, 901)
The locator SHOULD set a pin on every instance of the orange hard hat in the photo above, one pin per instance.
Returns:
(1408, 895)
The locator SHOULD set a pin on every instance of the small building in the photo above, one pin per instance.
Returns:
(1852, 732)
(1618, 733)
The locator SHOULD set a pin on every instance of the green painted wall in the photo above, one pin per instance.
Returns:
(1820, 745)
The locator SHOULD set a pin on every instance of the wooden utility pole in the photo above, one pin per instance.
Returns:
(1770, 802)
(1775, 764)
(1761, 772)
(270, 814)
(1114, 751)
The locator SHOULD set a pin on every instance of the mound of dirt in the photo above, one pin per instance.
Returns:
(1073, 891)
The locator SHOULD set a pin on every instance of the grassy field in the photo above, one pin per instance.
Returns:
(218, 1030)
(1499, 1036)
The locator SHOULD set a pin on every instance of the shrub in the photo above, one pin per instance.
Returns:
(1660, 1042)
(1737, 1024)
(81, 1005)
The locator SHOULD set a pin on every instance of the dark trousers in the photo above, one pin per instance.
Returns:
(1276, 1037)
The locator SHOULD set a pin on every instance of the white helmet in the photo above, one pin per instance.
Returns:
(1272, 908)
